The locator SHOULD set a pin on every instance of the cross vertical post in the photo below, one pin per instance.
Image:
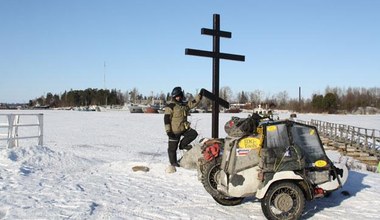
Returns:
(216, 56)
(215, 78)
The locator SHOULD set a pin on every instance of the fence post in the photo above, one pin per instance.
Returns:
(11, 140)
(41, 129)
(15, 127)
(366, 147)
(373, 141)
(341, 128)
(353, 136)
(358, 137)
(330, 127)
(323, 127)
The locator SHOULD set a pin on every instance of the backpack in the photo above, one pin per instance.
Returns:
(238, 127)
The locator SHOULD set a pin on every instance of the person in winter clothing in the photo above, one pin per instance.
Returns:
(176, 124)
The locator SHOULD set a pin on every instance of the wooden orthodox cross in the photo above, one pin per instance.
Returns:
(216, 55)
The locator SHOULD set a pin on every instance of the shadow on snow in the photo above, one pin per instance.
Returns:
(353, 185)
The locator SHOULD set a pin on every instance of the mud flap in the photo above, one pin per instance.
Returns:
(338, 176)
(241, 184)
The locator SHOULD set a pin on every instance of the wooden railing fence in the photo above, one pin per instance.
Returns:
(355, 141)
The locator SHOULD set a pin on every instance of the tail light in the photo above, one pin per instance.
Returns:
(319, 192)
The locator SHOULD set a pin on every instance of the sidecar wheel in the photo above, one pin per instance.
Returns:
(210, 173)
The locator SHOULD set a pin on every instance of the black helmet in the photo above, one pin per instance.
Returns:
(177, 91)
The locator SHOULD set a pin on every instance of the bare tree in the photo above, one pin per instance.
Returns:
(225, 93)
(282, 99)
(134, 95)
(126, 97)
(256, 96)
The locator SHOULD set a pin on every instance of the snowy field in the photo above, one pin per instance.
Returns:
(83, 171)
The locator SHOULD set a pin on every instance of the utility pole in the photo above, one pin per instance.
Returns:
(104, 81)
(299, 99)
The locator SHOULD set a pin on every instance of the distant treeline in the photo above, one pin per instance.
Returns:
(80, 98)
(338, 100)
(334, 100)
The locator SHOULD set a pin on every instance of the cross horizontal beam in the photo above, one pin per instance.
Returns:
(204, 53)
(212, 32)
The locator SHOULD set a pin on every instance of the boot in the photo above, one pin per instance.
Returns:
(172, 157)
(187, 147)
(170, 169)
(176, 164)
(172, 151)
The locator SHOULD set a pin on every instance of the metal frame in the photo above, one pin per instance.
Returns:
(13, 125)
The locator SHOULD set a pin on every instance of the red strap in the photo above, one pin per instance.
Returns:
(211, 152)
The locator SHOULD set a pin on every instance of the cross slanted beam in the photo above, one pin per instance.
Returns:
(216, 56)
(203, 53)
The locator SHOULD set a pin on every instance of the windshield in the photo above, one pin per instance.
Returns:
(277, 136)
(306, 138)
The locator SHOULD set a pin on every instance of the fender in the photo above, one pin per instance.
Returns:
(338, 181)
(283, 175)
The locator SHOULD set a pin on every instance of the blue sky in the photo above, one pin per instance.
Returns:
(53, 46)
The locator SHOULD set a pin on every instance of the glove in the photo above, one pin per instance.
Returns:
(171, 134)
(201, 93)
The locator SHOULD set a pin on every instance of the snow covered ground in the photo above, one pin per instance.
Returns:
(83, 171)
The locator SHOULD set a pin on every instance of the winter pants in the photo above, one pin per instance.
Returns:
(188, 137)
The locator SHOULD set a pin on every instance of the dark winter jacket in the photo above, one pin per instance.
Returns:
(176, 113)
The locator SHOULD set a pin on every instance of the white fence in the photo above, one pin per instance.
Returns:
(11, 125)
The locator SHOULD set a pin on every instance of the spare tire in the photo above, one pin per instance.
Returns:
(210, 174)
